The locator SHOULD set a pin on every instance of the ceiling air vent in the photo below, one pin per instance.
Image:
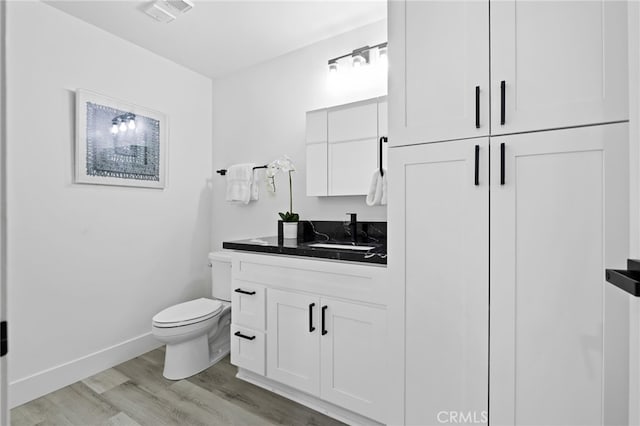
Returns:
(167, 10)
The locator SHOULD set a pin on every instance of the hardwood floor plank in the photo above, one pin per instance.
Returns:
(151, 408)
(214, 409)
(81, 405)
(40, 412)
(121, 419)
(105, 380)
(220, 380)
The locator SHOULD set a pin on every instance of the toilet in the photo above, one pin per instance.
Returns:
(197, 332)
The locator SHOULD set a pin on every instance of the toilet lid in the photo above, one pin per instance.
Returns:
(189, 311)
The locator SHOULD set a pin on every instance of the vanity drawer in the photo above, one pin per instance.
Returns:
(248, 349)
(248, 305)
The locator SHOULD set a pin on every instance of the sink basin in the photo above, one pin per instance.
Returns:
(341, 246)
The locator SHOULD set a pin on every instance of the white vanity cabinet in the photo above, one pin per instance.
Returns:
(329, 348)
(553, 64)
(324, 335)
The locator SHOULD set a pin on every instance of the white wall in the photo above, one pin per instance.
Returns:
(259, 115)
(90, 265)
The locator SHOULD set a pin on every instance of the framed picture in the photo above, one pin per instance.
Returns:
(118, 143)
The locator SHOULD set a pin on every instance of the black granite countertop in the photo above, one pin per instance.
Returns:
(372, 234)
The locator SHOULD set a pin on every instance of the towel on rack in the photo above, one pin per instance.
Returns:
(377, 195)
(239, 182)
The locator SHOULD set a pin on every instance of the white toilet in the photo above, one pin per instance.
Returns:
(197, 332)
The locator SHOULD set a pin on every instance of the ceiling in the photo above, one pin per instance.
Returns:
(218, 37)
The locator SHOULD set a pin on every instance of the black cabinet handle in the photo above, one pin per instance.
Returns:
(311, 327)
(477, 170)
(237, 333)
(477, 107)
(502, 102)
(324, 330)
(239, 290)
(502, 163)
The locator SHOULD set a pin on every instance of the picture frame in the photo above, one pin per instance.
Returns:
(119, 143)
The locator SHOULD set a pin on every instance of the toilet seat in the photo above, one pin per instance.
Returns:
(187, 313)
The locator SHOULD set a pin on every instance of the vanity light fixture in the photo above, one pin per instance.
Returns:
(360, 56)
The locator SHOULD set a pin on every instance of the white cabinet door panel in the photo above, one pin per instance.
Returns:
(351, 165)
(316, 128)
(438, 53)
(353, 121)
(439, 232)
(353, 356)
(293, 350)
(557, 221)
(564, 63)
(317, 169)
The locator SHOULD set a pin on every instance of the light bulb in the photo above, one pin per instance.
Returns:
(132, 123)
(358, 61)
(333, 67)
(123, 126)
(114, 128)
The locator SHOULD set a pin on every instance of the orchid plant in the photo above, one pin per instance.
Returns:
(283, 164)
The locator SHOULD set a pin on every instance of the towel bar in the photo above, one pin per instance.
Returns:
(224, 171)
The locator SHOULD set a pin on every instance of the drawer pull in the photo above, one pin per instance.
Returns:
(239, 290)
(477, 107)
(237, 333)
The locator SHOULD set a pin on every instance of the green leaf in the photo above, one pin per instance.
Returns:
(282, 215)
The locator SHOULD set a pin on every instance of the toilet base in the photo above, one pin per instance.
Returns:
(185, 359)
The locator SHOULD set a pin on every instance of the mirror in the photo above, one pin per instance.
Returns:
(342, 147)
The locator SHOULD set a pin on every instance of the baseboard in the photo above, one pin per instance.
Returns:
(46, 381)
(324, 407)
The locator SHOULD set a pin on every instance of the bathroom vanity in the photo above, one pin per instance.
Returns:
(311, 329)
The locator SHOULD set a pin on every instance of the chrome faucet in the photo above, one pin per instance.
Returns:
(353, 227)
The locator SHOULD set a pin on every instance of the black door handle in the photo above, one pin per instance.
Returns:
(477, 170)
(311, 327)
(502, 163)
(477, 107)
(502, 102)
(237, 333)
(239, 290)
(324, 330)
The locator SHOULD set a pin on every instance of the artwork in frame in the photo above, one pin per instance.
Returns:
(118, 143)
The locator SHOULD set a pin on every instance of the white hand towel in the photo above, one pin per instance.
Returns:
(255, 187)
(239, 180)
(377, 190)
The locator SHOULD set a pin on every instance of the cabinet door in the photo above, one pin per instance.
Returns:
(559, 218)
(439, 54)
(293, 343)
(316, 148)
(353, 147)
(353, 357)
(564, 63)
(439, 244)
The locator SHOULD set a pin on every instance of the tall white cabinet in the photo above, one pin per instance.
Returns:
(499, 234)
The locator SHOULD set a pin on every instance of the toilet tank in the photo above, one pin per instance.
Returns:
(220, 275)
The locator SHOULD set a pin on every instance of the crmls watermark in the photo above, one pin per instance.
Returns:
(462, 417)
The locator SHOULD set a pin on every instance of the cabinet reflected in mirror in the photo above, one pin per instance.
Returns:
(343, 147)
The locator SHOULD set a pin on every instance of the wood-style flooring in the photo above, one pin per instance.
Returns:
(136, 393)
